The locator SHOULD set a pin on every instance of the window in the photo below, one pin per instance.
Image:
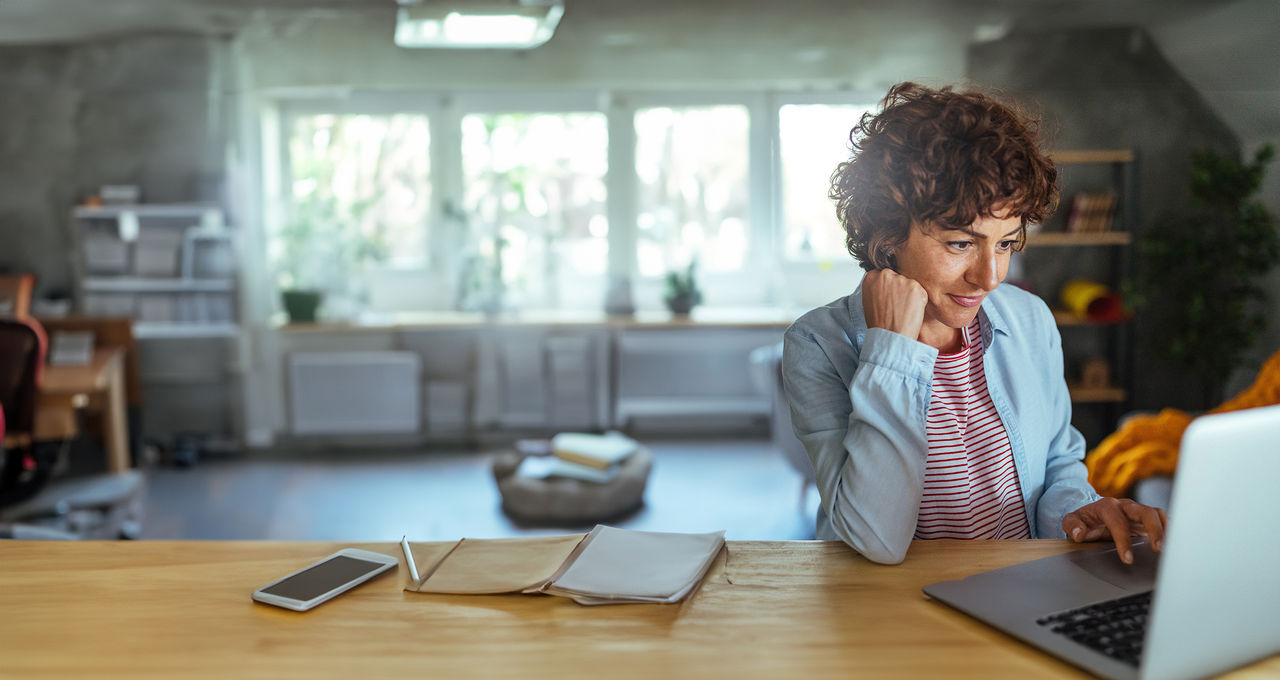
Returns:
(405, 202)
(359, 192)
(814, 139)
(692, 166)
(534, 196)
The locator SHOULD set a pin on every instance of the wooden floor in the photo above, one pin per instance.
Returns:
(743, 487)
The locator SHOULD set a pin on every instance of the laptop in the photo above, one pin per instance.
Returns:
(1207, 603)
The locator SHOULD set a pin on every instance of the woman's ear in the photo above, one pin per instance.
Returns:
(891, 256)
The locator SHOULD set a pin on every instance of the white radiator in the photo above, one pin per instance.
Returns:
(354, 392)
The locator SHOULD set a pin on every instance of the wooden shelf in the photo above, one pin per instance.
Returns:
(1095, 394)
(1066, 318)
(1092, 156)
(1060, 238)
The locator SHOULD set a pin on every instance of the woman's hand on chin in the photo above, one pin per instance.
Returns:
(893, 302)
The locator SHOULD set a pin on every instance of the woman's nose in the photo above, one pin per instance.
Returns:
(985, 271)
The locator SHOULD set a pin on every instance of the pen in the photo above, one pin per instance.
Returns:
(408, 558)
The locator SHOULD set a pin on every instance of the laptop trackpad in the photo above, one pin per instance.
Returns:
(1105, 564)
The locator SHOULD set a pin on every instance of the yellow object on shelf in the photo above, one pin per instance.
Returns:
(1092, 300)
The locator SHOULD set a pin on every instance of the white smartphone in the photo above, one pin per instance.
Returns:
(324, 580)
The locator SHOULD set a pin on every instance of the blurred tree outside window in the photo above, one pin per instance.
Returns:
(359, 194)
(814, 140)
(534, 201)
(692, 200)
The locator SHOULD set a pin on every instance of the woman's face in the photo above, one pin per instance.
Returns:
(957, 268)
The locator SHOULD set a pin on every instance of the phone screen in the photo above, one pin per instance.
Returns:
(323, 577)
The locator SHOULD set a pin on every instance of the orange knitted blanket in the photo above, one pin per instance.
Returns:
(1147, 445)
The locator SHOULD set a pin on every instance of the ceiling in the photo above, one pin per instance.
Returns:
(1228, 49)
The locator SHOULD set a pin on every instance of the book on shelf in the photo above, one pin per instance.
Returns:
(608, 565)
(600, 451)
(1091, 212)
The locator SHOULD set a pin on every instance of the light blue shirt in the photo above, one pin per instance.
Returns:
(858, 402)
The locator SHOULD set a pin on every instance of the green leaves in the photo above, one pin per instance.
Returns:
(683, 284)
(1198, 275)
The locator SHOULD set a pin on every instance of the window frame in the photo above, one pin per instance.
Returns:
(539, 102)
(760, 207)
(777, 101)
(767, 274)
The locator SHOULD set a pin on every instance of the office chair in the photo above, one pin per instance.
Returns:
(32, 505)
(15, 294)
(766, 375)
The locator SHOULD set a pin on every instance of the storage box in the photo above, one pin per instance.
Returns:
(110, 304)
(120, 194)
(208, 256)
(156, 308)
(156, 252)
(214, 308)
(105, 252)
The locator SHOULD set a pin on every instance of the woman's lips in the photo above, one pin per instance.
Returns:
(966, 301)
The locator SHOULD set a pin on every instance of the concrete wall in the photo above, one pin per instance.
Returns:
(144, 110)
(1112, 88)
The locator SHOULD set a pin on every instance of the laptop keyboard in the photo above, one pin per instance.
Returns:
(1115, 627)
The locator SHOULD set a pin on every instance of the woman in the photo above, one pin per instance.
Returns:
(932, 400)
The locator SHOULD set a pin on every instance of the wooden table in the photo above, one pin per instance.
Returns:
(770, 610)
(99, 383)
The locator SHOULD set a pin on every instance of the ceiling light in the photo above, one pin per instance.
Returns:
(511, 24)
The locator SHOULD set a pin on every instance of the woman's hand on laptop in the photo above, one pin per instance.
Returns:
(1117, 519)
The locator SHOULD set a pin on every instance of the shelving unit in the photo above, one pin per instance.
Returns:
(170, 267)
(173, 269)
(1081, 336)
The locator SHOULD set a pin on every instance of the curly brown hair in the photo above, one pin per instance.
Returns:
(938, 157)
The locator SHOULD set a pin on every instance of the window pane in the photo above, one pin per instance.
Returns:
(692, 200)
(535, 203)
(360, 193)
(814, 139)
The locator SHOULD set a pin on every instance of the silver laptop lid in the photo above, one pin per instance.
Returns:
(1218, 589)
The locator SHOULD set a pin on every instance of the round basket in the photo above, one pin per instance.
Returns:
(562, 500)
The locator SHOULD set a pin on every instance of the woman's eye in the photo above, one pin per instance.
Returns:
(1007, 245)
(960, 245)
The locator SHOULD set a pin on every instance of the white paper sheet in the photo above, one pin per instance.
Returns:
(642, 566)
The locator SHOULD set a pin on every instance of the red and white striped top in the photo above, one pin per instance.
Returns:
(971, 488)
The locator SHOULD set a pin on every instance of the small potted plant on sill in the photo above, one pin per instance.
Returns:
(322, 256)
(682, 292)
(297, 271)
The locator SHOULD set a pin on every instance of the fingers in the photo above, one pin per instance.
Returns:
(1118, 519)
(1074, 527)
(893, 302)
(1087, 523)
(1118, 524)
(1150, 522)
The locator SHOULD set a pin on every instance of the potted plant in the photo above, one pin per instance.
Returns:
(301, 289)
(682, 292)
(1198, 280)
(321, 253)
